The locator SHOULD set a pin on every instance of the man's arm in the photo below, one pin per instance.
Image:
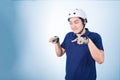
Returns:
(59, 50)
(97, 54)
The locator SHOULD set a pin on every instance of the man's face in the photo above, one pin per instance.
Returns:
(76, 24)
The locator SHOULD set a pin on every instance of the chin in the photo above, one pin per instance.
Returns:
(76, 32)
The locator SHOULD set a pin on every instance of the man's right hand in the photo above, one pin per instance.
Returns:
(54, 40)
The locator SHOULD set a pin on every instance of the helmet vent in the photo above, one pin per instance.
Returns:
(74, 13)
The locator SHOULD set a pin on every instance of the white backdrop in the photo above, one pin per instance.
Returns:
(36, 21)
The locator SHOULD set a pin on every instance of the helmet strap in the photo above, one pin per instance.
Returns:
(81, 30)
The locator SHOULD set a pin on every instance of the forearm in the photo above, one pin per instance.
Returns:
(98, 55)
(59, 50)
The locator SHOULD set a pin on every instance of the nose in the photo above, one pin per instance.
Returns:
(72, 25)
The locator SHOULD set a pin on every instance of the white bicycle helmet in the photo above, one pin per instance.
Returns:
(77, 13)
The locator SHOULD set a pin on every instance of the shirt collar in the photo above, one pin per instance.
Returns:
(86, 33)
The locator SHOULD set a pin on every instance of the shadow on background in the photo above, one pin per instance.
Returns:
(7, 46)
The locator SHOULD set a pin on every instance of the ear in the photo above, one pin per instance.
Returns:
(85, 21)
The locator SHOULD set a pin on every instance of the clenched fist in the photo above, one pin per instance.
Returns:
(54, 39)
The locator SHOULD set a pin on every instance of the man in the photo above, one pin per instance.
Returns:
(82, 47)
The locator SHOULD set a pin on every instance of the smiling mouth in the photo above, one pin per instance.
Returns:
(75, 29)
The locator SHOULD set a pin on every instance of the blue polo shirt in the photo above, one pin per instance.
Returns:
(79, 63)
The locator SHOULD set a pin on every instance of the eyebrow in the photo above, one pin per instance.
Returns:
(75, 20)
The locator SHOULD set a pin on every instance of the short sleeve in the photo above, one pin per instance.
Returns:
(63, 45)
(98, 41)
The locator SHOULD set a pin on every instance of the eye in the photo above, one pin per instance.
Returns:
(76, 22)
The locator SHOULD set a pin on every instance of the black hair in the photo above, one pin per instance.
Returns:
(82, 21)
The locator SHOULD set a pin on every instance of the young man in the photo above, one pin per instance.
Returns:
(82, 47)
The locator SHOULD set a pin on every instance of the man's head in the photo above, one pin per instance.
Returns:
(77, 19)
(77, 13)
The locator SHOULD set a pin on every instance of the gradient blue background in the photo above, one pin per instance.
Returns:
(26, 26)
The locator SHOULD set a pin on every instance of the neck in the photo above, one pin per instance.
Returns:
(79, 34)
